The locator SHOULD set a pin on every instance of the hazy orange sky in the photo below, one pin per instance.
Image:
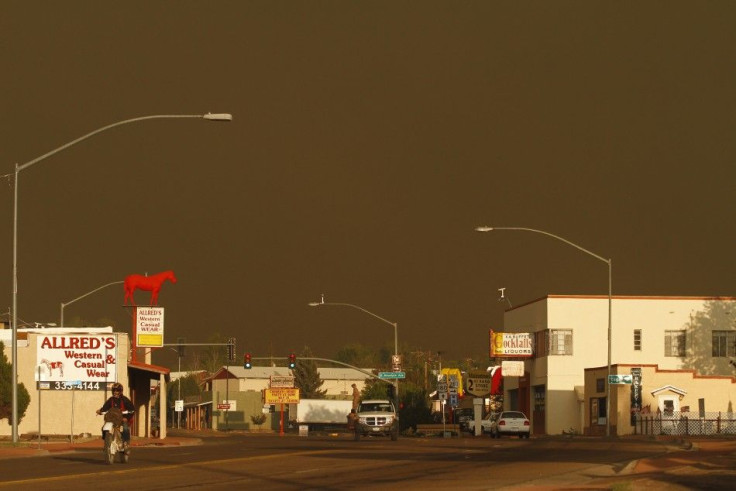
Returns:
(368, 140)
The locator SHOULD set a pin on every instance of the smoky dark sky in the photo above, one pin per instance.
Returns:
(368, 140)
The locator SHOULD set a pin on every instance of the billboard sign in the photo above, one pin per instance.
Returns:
(76, 361)
(512, 368)
(149, 327)
(281, 396)
(479, 385)
(282, 381)
(511, 344)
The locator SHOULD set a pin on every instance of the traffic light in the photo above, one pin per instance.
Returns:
(292, 361)
(246, 361)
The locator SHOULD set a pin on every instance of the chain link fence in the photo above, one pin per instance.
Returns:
(686, 423)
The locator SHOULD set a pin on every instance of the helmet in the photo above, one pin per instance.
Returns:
(117, 386)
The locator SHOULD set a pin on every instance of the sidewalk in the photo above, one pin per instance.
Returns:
(31, 448)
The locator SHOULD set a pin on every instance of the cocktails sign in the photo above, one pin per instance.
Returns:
(511, 344)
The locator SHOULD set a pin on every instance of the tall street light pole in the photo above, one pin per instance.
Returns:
(394, 324)
(20, 167)
(64, 304)
(608, 262)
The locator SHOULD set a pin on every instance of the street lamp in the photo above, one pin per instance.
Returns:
(607, 261)
(64, 304)
(395, 324)
(20, 167)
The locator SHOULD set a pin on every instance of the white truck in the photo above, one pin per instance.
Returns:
(377, 417)
(320, 412)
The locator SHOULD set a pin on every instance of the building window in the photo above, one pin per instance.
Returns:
(560, 342)
(539, 398)
(540, 344)
(637, 339)
(600, 385)
(674, 343)
(724, 344)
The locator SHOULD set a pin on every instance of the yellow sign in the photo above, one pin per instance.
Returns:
(150, 340)
(454, 380)
(511, 344)
(281, 396)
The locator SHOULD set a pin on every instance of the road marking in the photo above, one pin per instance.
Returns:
(163, 467)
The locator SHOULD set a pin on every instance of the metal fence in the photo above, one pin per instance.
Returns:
(686, 423)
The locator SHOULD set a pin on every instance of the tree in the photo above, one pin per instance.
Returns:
(189, 387)
(306, 377)
(374, 389)
(358, 355)
(6, 391)
(212, 358)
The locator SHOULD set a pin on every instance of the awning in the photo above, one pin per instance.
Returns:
(151, 371)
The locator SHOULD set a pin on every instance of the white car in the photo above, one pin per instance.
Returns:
(508, 423)
(487, 422)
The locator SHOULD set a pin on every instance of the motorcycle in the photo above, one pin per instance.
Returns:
(112, 434)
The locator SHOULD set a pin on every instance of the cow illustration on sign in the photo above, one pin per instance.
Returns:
(151, 284)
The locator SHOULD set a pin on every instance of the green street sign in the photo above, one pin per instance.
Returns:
(620, 379)
(391, 374)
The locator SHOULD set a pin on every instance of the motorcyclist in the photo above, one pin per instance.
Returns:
(120, 401)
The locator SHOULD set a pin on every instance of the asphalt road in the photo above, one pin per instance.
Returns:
(242, 461)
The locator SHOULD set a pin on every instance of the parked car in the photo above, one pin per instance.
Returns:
(509, 423)
(464, 417)
(487, 423)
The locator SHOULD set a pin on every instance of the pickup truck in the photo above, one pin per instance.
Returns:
(377, 417)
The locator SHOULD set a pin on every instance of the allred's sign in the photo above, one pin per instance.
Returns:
(74, 359)
(149, 327)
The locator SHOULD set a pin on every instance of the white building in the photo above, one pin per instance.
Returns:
(68, 373)
(571, 334)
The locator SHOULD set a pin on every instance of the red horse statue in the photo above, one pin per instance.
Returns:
(148, 283)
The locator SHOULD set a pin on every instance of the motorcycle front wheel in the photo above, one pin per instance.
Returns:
(109, 451)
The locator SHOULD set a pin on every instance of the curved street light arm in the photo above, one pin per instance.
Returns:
(489, 229)
(64, 304)
(361, 309)
(208, 116)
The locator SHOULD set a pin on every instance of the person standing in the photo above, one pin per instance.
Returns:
(356, 397)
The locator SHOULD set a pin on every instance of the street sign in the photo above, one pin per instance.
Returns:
(223, 406)
(453, 399)
(391, 374)
(479, 386)
(281, 396)
(396, 363)
(620, 379)
(179, 405)
(282, 381)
